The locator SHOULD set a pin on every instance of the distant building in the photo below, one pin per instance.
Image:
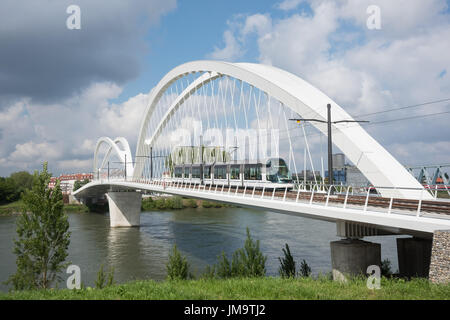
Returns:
(346, 174)
(67, 181)
(309, 175)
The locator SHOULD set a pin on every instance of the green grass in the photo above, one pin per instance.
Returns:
(257, 288)
(75, 208)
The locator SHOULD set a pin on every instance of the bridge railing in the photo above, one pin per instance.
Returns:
(340, 196)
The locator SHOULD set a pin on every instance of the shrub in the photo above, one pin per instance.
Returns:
(246, 262)
(207, 204)
(147, 204)
(177, 267)
(103, 279)
(305, 270)
(287, 264)
(191, 203)
(177, 202)
(160, 204)
(223, 268)
(386, 268)
(252, 261)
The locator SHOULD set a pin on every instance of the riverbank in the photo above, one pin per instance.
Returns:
(177, 203)
(269, 288)
(16, 207)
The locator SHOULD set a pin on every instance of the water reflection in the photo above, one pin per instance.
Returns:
(200, 234)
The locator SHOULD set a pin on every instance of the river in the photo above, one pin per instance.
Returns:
(200, 234)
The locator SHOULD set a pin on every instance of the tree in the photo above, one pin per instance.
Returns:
(78, 184)
(8, 191)
(287, 264)
(43, 236)
(251, 258)
(178, 266)
(23, 180)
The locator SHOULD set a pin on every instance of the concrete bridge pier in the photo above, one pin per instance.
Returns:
(124, 208)
(352, 256)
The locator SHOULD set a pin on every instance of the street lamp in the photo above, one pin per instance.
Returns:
(330, 141)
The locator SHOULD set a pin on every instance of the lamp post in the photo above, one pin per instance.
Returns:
(330, 140)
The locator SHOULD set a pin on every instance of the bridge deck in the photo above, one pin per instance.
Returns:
(399, 216)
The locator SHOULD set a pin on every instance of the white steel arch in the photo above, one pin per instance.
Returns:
(124, 153)
(375, 163)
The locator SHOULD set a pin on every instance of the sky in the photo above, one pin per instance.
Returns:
(61, 89)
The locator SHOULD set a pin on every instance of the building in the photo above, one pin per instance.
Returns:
(68, 180)
(345, 173)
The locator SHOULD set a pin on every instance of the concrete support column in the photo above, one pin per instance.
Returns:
(413, 257)
(351, 257)
(440, 257)
(124, 209)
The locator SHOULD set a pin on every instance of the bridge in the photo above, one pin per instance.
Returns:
(213, 130)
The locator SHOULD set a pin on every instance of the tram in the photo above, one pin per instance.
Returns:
(272, 173)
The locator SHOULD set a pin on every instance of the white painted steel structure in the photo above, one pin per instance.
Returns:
(389, 177)
(123, 154)
(374, 162)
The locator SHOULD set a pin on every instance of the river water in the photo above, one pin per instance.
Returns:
(200, 234)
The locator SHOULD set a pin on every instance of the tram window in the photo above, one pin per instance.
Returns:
(178, 172)
(207, 172)
(234, 172)
(220, 172)
(196, 172)
(252, 172)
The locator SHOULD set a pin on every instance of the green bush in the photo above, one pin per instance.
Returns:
(176, 203)
(305, 270)
(246, 262)
(386, 268)
(160, 204)
(147, 204)
(178, 266)
(103, 279)
(287, 264)
(191, 203)
(207, 204)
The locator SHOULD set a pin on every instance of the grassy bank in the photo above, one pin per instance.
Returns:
(176, 203)
(17, 208)
(11, 208)
(257, 288)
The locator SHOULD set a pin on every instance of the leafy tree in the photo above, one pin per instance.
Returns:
(43, 236)
(78, 184)
(287, 264)
(178, 266)
(8, 191)
(23, 180)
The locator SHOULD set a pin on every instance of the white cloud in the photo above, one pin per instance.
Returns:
(58, 133)
(367, 70)
(230, 51)
(289, 4)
